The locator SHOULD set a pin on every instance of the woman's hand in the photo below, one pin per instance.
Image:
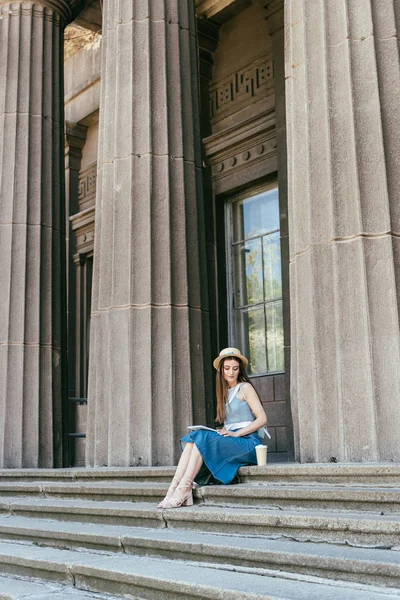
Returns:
(227, 433)
(232, 434)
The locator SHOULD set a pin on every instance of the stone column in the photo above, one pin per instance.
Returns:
(343, 86)
(149, 324)
(32, 233)
(275, 19)
(75, 137)
(208, 36)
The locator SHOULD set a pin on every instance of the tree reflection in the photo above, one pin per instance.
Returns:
(263, 283)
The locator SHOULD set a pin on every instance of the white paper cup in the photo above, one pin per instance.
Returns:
(261, 452)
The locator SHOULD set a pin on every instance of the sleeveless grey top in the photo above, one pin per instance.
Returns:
(238, 410)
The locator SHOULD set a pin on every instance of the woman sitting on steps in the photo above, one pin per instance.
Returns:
(229, 448)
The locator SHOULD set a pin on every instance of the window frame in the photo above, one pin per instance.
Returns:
(230, 291)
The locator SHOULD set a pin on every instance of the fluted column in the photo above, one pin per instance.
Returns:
(207, 37)
(32, 233)
(275, 19)
(75, 137)
(149, 322)
(343, 86)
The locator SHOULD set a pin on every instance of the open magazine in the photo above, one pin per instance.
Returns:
(196, 427)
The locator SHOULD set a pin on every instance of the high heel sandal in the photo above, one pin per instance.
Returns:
(174, 484)
(183, 495)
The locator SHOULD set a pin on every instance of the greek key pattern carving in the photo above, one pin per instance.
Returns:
(241, 86)
(87, 183)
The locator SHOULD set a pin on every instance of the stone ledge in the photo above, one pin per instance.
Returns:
(376, 471)
(351, 527)
(333, 561)
(345, 497)
(368, 473)
(147, 577)
(73, 474)
(12, 588)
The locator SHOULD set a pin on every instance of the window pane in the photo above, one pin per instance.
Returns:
(255, 255)
(248, 273)
(274, 325)
(256, 215)
(250, 332)
(272, 267)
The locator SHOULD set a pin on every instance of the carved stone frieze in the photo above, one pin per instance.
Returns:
(87, 186)
(244, 144)
(232, 93)
(83, 227)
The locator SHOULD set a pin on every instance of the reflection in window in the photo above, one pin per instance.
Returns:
(257, 281)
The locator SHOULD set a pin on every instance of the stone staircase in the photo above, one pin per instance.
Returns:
(304, 532)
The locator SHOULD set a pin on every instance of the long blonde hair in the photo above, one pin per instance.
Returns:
(222, 386)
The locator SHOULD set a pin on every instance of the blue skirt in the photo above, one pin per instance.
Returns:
(223, 456)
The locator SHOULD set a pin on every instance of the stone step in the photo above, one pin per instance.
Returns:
(140, 474)
(365, 565)
(151, 578)
(381, 500)
(337, 496)
(356, 528)
(125, 491)
(19, 588)
(354, 474)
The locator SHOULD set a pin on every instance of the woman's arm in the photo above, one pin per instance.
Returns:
(251, 397)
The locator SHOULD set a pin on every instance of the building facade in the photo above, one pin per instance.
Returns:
(177, 176)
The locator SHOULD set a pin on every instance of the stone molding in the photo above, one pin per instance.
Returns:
(210, 8)
(235, 148)
(75, 138)
(208, 38)
(83, 227)
(234, 91)
(275, 15)
(66, 10)
(208, 35)
(90, 17)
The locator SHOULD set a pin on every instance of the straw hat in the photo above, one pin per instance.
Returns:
(230, 353)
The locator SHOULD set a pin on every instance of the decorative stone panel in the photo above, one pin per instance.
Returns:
(236, 90)
(87, 186)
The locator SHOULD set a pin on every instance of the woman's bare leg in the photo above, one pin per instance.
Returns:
(180, 471)
(193, 465)
(183, 492)
(184, 460)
